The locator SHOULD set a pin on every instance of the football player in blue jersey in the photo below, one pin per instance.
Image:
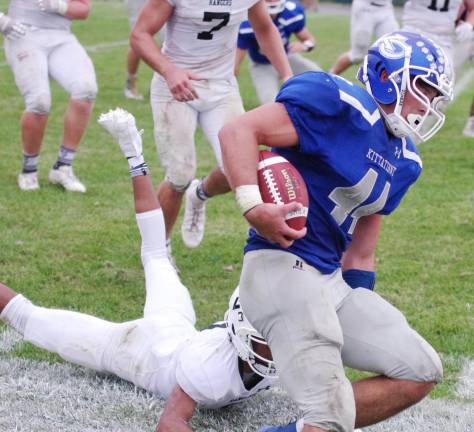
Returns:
(353, 148)
(290, 19)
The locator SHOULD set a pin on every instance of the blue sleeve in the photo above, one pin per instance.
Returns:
(313, 103)
(244, 36)
(299, 25)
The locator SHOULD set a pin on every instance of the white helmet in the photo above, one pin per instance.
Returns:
(243, 336)
(274, 7)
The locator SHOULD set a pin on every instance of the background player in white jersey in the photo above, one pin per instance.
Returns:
(195, 84)
(369, 18)
(289, 17)
(438, 19)
(45, 47)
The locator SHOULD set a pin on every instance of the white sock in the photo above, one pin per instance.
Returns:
(17, 312)
(152, 229)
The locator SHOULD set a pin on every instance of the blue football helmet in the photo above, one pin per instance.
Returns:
(408, 59)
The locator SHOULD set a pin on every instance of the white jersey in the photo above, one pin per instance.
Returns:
(436, 18)
(29, 12)
(208, 370)
(201, 35)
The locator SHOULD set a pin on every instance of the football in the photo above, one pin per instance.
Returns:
(281, 183)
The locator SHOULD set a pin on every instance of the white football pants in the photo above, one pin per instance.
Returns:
(44, 53)
(143, 351)
(175, 123)
(367, 21)
(315, 324)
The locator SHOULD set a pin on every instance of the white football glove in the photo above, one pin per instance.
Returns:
(464, 32)
(53, 6)
(10, 28)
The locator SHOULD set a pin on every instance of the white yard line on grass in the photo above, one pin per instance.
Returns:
(92, 48)
(39, 396)
(465, 385)
(8, 339)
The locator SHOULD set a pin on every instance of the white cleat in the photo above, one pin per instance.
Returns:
(65, 177)
(192, 229)
(28, 181)
(121, 125)
(132, 93)
(469, 128)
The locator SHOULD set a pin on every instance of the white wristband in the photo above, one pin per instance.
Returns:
(62, 7)
(248, 196)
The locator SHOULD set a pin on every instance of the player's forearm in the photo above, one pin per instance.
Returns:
(239, 57)
(177, 413)
(145, 46)
(361, 252)
(239, 147)
(270, 43)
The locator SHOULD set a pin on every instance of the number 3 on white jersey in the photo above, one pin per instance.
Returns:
(349, 198)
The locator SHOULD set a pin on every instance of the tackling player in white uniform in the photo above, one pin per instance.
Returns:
(38, 45)
(195, 84)
(161, 352)
(369, 18)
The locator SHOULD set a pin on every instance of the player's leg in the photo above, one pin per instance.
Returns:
(76, 337)
(164, 290)
(377, 338)
(133, 60)
(28, 61)
(291, 306)
(130, 90)
(469, 126)
(72, 68)
(266, 81)
(300, 64)
(211, 121)
(385, 21)
(174, 127)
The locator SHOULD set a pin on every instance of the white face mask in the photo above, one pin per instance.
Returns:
(421, 127)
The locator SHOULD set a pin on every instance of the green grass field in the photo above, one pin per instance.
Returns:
(81, 252)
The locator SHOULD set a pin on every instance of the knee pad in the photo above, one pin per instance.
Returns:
(359, 47)
(356, 56)
(425, 362)
(180, 187)
(179, 177)
(84, 90)
(38, 104)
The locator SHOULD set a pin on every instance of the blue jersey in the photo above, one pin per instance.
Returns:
(351, 165)
(289, 21)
